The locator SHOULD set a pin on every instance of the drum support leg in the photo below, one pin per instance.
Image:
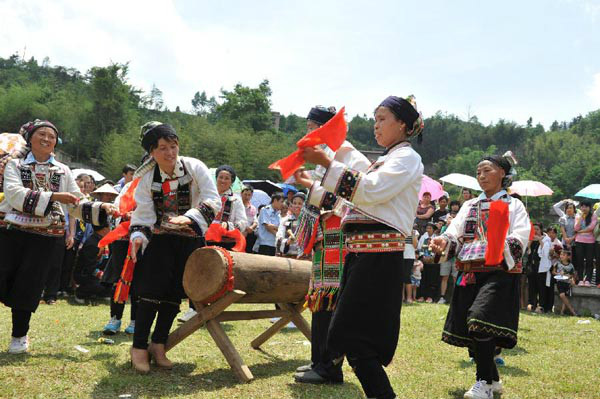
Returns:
(205, 313)
(293, 315)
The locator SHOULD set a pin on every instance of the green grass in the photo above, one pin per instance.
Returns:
(555, 358)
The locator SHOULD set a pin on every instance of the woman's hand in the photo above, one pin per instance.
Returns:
(438, 245)
(136, 244)
(65, 198)
(110, 209)
(180, 220)
(69, 241)
(303, 178)
(316, 155)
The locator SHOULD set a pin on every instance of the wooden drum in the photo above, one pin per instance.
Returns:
(264, 279)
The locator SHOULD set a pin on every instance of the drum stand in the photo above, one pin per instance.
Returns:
(214, 314)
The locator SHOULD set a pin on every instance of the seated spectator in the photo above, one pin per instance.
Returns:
(89, 266)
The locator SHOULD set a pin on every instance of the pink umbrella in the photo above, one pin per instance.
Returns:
(428, 185)
(530, 188)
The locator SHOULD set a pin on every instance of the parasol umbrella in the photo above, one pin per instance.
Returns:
(287, 187)
(236, 186)
(95, 175)
(530, 188)
(461, 180)
(259, 198)
(591, 191)
(265, 185)
(428, 185)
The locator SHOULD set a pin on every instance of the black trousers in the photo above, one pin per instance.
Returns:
(584, 260)
(545, 294)
(91, 287)
(430, 281)
(54, 274)
(66, 274)
(266, 250)
(159, 287)
(366, 323)
(26, 261)
(533, 290)
(323, 360)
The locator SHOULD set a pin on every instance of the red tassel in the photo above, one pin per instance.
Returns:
(531, 232)
(124, 284)
(332, 133)
(127, 201)
(497, 228)
(119, 232)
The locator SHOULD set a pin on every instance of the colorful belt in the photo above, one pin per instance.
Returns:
(479, 267)
(376, 241)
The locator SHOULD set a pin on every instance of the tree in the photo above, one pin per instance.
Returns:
(248, 106)
(154, 100)
(202, 104)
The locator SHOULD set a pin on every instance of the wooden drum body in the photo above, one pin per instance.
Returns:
(264, 279)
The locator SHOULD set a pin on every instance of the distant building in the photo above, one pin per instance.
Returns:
(275, 119)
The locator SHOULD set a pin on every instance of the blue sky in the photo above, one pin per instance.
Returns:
(509, 59)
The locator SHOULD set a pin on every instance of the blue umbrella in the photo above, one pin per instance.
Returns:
(591, 191)
(287, 187)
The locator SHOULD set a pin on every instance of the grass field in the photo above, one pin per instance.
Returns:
(555, 358)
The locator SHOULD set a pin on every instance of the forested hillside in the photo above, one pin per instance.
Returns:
(99, 113)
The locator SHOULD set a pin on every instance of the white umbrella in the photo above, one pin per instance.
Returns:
(95, 175)
(458, 179)
(259, 197)
(530, 188)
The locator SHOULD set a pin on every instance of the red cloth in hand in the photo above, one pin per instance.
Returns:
(497, 228)
(332, 133)
(216, 232)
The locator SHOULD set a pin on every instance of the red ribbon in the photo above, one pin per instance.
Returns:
(228, 286)
(124, 283)
(497, 228)
(332, 133)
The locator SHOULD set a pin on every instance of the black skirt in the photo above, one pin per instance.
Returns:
(26, 261)
(366, 321)
(118, 253)
(158, 274)
(488, 308)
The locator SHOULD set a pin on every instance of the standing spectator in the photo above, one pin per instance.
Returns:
(128, 171)
(565, 268)
(544, 274)
(585, 221)
(566, 220)
(251, 216)
(467, 194)
(411, 271)
(268, 223)
(533, 265)
(430, 281)
(424, 212)
(442, 211)
(286, 239)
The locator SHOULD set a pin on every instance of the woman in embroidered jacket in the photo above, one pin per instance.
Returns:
(484, 312)
(176, 201)
(233, 213)
(366, 322)
(39, 191)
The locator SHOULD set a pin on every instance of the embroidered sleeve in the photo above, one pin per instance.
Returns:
(31, 201)
(143, 232)
(321, 198)
(515, 248)
(92, 212)
(343, 180)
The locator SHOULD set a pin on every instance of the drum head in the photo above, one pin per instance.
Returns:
(205, 273)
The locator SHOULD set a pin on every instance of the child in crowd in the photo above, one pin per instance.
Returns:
(565, 268)
(410, 256)
(415, 282)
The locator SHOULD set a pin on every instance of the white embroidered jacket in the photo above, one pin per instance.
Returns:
(204, 198)
(387, 191)
(33, 202)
